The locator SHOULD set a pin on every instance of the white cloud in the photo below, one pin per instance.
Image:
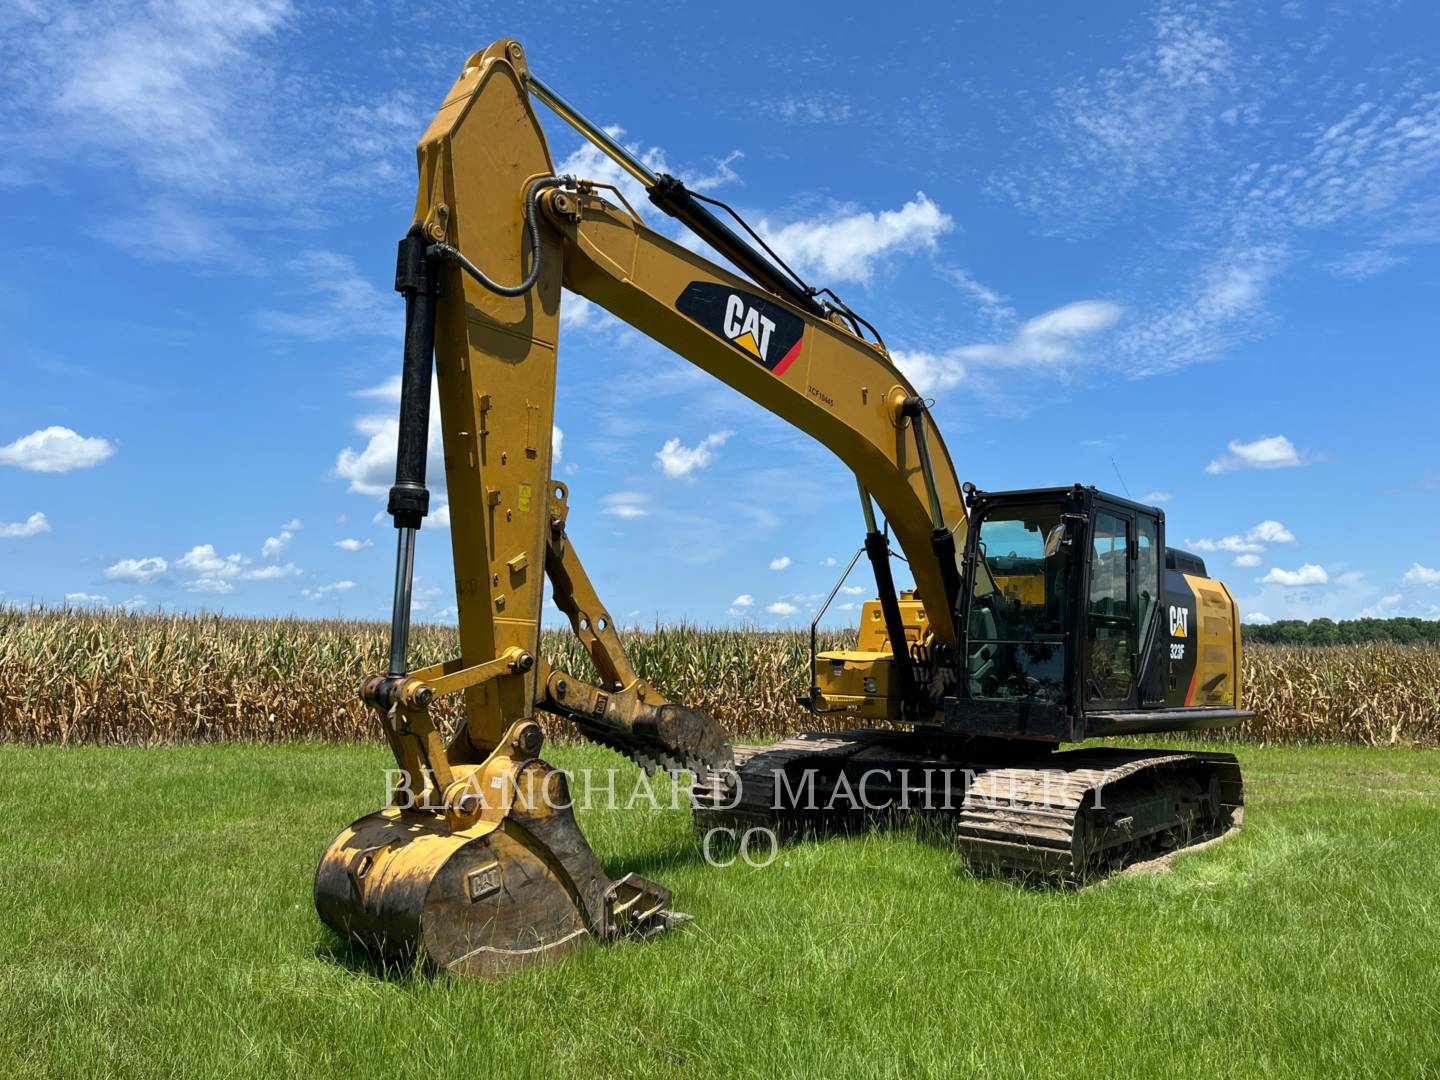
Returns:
(1049, 341)
(625, 504)
(141, 570)
(55, 450)
(849, 244)
(1252, 543)
(1247, 560)
(274, 545)
(1308, 574)
(1155, 498)
(209, 585)
(1257, 618)
(371, 470)
(579, 313)
(351, 544)
(273, 572)
(739, 605)
(780, 563)
(1226, 543)
(34, 525)
(782, 607)
(85, 598)
(203, 560)
(327, 590)
(852, 590)
(677, 460)
(440, 517)
(829, 560)
(1269, 452)
(557, 444)
(1421, 575)
(1271, 532)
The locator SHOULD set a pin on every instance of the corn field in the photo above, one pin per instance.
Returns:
(81, 677)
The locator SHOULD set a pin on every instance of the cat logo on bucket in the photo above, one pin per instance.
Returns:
(758, 327)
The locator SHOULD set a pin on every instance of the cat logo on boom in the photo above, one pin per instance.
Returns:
(758, 327)
(746, 327)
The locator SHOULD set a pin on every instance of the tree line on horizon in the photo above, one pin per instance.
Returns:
(1345, 632)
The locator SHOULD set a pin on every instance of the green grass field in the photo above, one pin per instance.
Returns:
(157, 921)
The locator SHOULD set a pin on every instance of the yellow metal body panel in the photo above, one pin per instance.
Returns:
(858, 682)
(913, 614)
(1217, 644)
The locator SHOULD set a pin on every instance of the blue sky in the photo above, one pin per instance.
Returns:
(1187, 252)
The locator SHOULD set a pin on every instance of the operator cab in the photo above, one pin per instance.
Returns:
(1073, 625)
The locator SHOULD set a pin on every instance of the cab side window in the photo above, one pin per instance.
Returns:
(1108, 675)
(1147, 569)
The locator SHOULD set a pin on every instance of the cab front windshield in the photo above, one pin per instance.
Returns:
(1017, 606)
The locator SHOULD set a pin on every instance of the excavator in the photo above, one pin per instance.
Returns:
(1038, 618)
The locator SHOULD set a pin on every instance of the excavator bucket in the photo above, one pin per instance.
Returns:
(516, 888)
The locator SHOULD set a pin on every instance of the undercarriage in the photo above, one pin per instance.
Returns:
(1060, 817)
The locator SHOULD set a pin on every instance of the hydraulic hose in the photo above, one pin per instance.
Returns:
(532, 196)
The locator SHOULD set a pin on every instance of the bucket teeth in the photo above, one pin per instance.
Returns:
(672, 738)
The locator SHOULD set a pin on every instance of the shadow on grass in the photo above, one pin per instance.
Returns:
(354, 957)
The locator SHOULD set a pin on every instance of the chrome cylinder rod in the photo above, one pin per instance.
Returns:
(400, 608)
(922, 446)
(867, 507)
(567, 112)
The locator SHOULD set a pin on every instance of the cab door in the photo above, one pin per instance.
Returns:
(1111, 611)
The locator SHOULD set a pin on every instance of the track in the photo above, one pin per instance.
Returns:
(1059, 818)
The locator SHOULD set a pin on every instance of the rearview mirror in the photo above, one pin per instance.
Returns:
(1053, 540)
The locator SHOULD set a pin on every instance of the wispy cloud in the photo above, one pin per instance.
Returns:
(625, 504)
(1248, 154)
(344, 304)
(1051, 341)
(34, 525)
(191, 109)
